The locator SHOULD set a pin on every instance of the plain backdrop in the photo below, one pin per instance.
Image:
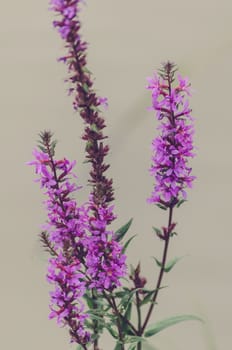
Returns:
(127, 41)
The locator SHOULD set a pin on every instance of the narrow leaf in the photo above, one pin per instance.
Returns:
(161, 325)
(172, 263)
(157, 231)
(168, 265)
(132, 347)
(147, 298)
(118, 346)
(111, 331)
(134, 339)
(157, 262)
(120, 233)
(127, 244)
(181, 202)
(161, 206)
(85, 87)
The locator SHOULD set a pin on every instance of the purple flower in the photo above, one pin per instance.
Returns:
(174, 145)
(66, 304)
(104, 260)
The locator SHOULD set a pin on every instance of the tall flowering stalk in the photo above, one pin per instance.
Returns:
(174, 146)
(171, 152)
(85, 99)
(64, 238)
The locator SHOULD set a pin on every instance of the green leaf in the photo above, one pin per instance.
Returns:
(134, 339)
(95, 317)
(181, 202)
(161, 206)
(95, 109)
(127, 244)
(127, 314)
(132, 347)
(168, 265)
(168, 322)
(157, 231)
(89, 301)
(86, 70)
(127, 298)
(120, 233)
(93, 127)
(172, 263)
(85, 87)
(157, 262)
(118, 346)
(149, 295)
(79, 347)
(147, 298)
(111, 331)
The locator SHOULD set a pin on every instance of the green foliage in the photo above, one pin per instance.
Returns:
(79, 347)
(162, 206)
(125, 246)
(168, 322)
(181, 202)
(134, 339)
(157, 231)
(120, 233)
(118, 346)
(132, 347)
(170, 264)
(85, 87)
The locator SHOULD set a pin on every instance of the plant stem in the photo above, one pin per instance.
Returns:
(118, 313)
(118, 324)
(95, 322)
(164, 258)
(139, 345)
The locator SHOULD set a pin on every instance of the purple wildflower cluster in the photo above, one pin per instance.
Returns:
(64, 238)
(105, 261)
(173, 147)
(85, 254)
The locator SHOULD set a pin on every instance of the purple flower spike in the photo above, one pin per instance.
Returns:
(64, 239)
(105, 260)
(66, 305)
(86, 100)
(174, 145)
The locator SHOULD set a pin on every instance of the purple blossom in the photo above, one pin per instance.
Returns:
(104, 260)
(66, 304)
(174, 145)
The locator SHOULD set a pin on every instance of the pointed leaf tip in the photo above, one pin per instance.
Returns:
(168, 322)
(120, 233)
(172, 263)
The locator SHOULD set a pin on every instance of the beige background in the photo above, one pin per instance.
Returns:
(128, 40)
